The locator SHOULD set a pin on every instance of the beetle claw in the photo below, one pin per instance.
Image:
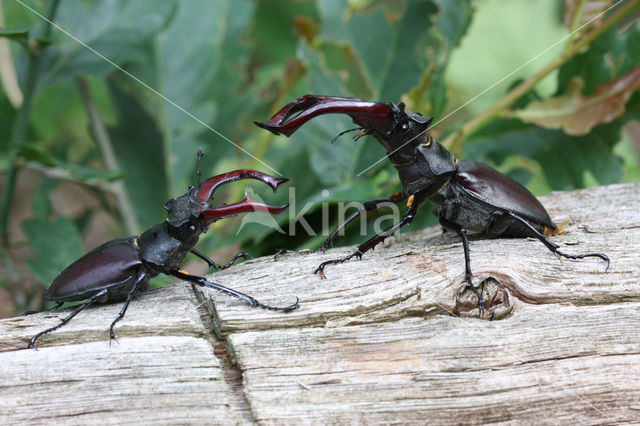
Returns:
(603, 257)
(246, 205)
(375, 116)
(112, 338)
(289, 308)
(205, 191)
(582, 256)
(207, 188)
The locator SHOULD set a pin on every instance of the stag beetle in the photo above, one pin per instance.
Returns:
(468, 196)
(118, 269)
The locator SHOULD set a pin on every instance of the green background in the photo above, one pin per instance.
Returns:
(229, 62)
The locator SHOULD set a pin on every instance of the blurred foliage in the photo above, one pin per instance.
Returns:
(219, 65)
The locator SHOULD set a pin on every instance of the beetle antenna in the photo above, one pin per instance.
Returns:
(364, 132)
(346, 131)
(200, 155)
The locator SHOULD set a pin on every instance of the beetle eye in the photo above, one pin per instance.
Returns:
(405, 127)
(192, 228)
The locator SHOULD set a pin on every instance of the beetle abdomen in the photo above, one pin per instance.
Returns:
(494, 188)
(114, 263)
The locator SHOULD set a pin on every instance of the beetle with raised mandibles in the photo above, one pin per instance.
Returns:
(468, 196)
(120, 268)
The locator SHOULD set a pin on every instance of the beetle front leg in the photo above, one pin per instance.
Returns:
(214, 265)
(91, 300)
(201, 281)
(377, 239)
(132, 292)
(369, 206)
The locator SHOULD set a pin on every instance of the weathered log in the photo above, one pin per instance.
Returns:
(421, 273)
(558, 363)
(159, 379)
(382, 340)
(169, 311)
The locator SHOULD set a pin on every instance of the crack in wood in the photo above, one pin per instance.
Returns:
(231, 373)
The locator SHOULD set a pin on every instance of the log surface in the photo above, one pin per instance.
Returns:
(389, 339)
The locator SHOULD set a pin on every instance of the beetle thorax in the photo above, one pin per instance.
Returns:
(184, 223)
(407, 131)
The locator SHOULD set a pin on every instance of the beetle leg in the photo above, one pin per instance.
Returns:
(243, 255)
(371, 205)
(92, 299)
(54, 308)
(368, 207)
(467, 262)
(554, 247)
(244, 297)
(214, 265)
(377, 239)
(132, 292)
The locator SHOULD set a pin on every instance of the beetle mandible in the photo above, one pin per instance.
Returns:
(120, 268)
(468, 196)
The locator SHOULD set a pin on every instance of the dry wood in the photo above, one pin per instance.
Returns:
(376, 342)
(558, 363)
(167, 311)
(161, 379)
(421, 273)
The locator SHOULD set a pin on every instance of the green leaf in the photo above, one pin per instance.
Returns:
(204, 76)
(119, 30)
(390, 59)
(34, 153)
(577, 114)
(20, 35)
(56, 242)
(321, 79)
(429, 96)
(76, 171)
(85, 173)
(274, 34)
(52, 119)
(137, 142)
(563, 158)
(610, 56)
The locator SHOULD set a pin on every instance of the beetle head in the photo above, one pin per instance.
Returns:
(191, 214)
(392, 125)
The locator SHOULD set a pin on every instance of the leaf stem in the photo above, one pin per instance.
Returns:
(454, 141)
(101, 136)
(575, 22)
(21, 123)
(8, 75)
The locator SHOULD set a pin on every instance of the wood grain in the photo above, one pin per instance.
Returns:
(168, 311)
(146, 380)
(557, 363)
(421, 273)
(388, 339)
